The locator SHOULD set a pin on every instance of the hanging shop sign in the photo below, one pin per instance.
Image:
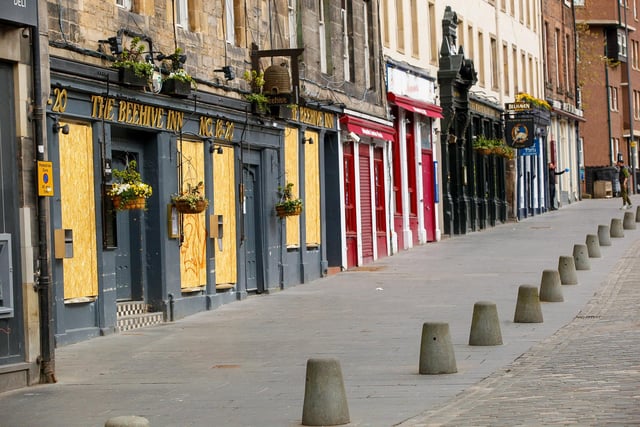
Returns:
(519, 131)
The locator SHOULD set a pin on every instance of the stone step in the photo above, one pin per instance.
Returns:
(128, 323)
(130, 308)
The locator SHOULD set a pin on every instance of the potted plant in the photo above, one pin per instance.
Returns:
(134, 70)
(178, 82)
(484, 145)
(191, 200)
(288, 204)
(258, 99)
(129, 192)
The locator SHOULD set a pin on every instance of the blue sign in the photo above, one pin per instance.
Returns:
(530, 151)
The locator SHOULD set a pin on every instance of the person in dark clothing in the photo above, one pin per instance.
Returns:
(552, 184)
(623, 177)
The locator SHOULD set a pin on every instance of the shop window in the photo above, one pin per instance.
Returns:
(6, 277)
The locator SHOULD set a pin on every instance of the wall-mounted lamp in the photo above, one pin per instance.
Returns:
(57, 127)
(229, 74)
(214, 149)
(307, 140)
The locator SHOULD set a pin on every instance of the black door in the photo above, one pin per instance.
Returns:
(127, 252)
(252, 231)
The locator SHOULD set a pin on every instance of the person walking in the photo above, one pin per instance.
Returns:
(623, 177)
(552, 184)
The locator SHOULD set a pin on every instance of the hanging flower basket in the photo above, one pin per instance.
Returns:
(128, 191)
(284, 211)
(483, 151)
(137, 203)
(191, 200)
(288, 204)
(186, 207)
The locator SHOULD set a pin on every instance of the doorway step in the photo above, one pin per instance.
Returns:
(135, 314)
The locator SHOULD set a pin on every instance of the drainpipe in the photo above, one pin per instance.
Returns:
(43, 280)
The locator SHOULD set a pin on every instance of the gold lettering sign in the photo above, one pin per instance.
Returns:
(221, 129)
(313, 117)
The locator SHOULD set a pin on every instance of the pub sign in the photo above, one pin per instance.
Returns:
(519, 131)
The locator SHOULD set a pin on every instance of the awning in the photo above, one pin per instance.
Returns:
(420, 107)
(368, 128)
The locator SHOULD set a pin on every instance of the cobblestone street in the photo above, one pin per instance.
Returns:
(586, 374)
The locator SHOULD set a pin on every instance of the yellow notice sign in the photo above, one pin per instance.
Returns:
(45, 179)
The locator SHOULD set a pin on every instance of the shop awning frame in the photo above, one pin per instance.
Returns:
(420, 107)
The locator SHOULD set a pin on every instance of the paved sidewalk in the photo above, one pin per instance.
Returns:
(244, 363)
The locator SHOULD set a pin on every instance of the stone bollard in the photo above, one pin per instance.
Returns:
(436, 350)
(629, 221)
(581, 257)
(485, 326)
(616, 228)
(325, 399)
(127, 421)
(528, 306)
(567, 270)
(604, 235)
(638, 214)
(550, 286)
(593, 246)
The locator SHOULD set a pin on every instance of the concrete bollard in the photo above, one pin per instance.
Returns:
(616, 228)
(550, 286)
(127, 421)
(638, 214)
(485, 326)
(325, 399)
(581, 257)
(436, 350)
(593, 246)
(629, 221)
(528, 308)
(604, 235)
(567, 270)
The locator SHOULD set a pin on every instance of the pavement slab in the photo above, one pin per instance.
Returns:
(243, 364)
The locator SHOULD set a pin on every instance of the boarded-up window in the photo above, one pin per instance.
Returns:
(193, 251)
(291, 175)
(224, 203)
(312, 189)
(77, 205)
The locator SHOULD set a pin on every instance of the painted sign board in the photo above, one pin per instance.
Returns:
(20, 11)
(45, 179)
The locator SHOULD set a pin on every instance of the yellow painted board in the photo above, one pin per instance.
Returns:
(312, 189)
(193, 251)
(78, 210)
(224, 204)
(291, 156)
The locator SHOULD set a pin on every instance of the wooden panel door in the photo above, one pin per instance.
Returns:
(351, 227)
(380, 202)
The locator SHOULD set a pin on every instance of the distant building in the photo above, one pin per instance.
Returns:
(609, 76)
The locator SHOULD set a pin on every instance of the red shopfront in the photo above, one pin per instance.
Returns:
(414, 170)
(365, 189)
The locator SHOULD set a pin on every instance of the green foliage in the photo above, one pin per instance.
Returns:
(173, 67)
(129, 185)
(256, 80)
(192, 195)
(288, 202)
(133, 58)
